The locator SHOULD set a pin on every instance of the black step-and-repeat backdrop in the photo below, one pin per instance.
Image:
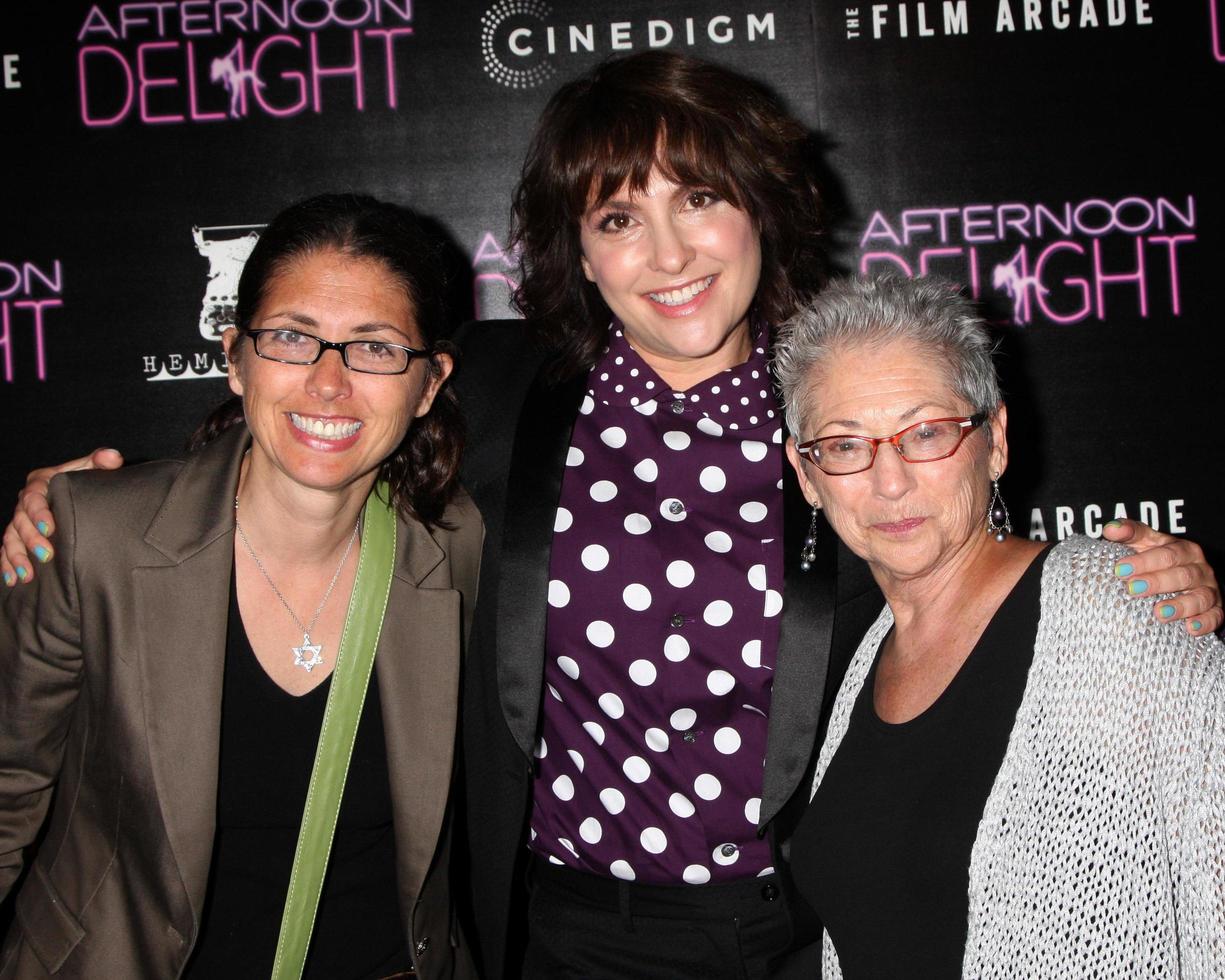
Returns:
(1054, 155)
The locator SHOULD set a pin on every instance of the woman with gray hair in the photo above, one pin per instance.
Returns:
(1023, 773)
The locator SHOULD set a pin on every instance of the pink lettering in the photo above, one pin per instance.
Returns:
(86, 117)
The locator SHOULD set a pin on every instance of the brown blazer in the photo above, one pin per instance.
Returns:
(110, 704)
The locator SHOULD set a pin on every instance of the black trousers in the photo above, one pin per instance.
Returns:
(585, 926)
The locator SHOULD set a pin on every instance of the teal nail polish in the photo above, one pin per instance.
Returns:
(1114, 523)
(1166, 611)
(42, 554)
(42, 527)
(8, 578)
(1123, 568)
(1196, 624)
(1137, 586)
(22, 572)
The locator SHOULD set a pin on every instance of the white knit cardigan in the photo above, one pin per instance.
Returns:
(1101, 850)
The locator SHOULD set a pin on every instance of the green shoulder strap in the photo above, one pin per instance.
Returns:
(350, 678)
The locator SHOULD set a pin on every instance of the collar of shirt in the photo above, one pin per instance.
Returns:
(740, 398)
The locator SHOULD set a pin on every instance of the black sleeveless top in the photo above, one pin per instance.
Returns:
(883, 852)
(268, 742)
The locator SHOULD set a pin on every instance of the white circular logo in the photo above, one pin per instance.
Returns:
(512, 29)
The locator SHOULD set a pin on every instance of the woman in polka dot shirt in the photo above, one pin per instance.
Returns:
(652, 650)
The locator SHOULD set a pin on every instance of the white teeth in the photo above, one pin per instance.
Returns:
(322, 429)
(675, 297)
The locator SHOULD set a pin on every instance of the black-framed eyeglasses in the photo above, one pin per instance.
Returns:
(366, 356)
(923, 442)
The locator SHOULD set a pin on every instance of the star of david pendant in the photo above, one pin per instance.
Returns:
(309, 655)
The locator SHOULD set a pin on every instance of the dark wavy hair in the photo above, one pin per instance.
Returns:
(703, 126)
(423, 471)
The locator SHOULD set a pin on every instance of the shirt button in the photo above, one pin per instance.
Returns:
(677, 621)
(678, 406)
(769, 892)
(689, 737)
(675, 507)
(727, 850)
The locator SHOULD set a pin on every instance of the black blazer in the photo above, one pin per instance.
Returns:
(519, 427)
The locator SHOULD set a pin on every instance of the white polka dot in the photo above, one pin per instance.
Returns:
(757, 577)
(753, 450)
(553, 860)
(636, 769)
(611, 705)
(559, 594)
(646, 408)
(646, 471)
(541, 748)
(753, 512)
(588, 405)
(719, 682)
(613, 436)
(590, 830)
(567, 845)
(553, 691)
(750, 653)
(568, 667)
(594, 557)
(633, 372)
(679, 573)
(621, 360)
(666, 508)
(719, 542)
(576, 758)
(683, 718)
(714, 390)
(725, 859)
(744, 400)
(603, 491)
(637, 523)
(600, 633)
(718, 613)
(712, 479)
(562, 520)
(563, 788)
(653, 840)
(723, 408)
(752, 810)
(642, 673)
(777, 438)
(681, 805)
(695, 874)
(574, 457)
(657, 740)
(676, 648)
(621, 869)
(735, 382)
(613, 800)
(637, 597)
(710, 427)
(676, 440)
(595, 730)
(774, 602)
(707, 787)
(727, 740)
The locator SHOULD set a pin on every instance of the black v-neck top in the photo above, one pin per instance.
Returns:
(883, 852)
(268, 740)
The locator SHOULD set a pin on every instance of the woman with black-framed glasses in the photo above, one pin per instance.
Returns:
(1023, 774)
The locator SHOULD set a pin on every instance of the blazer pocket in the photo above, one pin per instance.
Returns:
(49, 929)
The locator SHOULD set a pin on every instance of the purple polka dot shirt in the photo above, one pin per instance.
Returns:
(664, 600)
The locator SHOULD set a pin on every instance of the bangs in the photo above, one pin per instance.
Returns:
(609, 152)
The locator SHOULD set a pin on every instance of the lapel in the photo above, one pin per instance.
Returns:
(803, 652)
(417, 668)
(533, 489)
(180, 605)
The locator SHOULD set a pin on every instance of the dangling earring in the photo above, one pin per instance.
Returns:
(808, 553)
(998, 524)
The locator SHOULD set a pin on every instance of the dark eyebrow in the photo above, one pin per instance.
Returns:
(301, 318)
(362, 328)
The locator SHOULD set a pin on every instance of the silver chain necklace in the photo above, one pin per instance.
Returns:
(309, 655)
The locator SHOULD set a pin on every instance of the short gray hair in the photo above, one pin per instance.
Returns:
(929, 313)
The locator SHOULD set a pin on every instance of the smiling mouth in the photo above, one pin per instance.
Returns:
(676, 297)
(321, 429)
